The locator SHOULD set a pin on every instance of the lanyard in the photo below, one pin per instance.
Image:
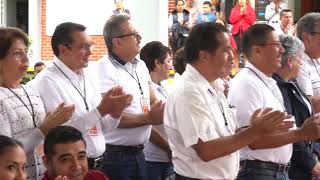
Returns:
(24, 104)
(275, 94)
(84, 95)
(221, 110)
(163, 92)
(315, 65)
(137, 80)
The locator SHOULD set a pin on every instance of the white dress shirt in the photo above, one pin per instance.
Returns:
(55, 88)
(309, 76)
(152, 152)
(112, 73)
(279, 30)
(248, 92)
(195, 111)
(271, 15)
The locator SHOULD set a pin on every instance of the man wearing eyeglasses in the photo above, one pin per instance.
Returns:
(67, 81)
(267, 157)
(125, 138)
(308, 31)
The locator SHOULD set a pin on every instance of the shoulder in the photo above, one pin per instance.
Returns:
(95, 175)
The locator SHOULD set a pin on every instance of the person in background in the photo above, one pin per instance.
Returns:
(303, 164)
(22, 111)
(206, 15)
(286, 23)
(242, 17)
(157, 152)
(38, 67)
(216, 8)
(65, 156)
(272, 13)
(120, 8)
(179, 61)
(308, 31)
(193, 10)
(179, 25)
(13, 159)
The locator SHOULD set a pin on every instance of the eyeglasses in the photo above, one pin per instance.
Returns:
(84, 47)
(19, 55)
(135, 34)
(318, 33)
(277, 44)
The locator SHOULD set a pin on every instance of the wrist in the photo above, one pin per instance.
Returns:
(147, 118)
(101, 111)
(43, 129)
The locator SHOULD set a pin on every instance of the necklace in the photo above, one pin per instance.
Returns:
(31, 111)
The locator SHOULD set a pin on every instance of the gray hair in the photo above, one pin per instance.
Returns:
(307, 23)
(112, 28)
(291, 45)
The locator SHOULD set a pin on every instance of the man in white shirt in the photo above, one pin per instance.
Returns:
(308, 31)
(125, 138)
(272, 13)
(198, 120)
(286, 23)
(254, 88)
(66, 81)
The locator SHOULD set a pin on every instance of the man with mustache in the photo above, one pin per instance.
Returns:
(253, 88)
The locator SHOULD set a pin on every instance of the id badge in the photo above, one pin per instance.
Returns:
(93, 131)
(144, 104)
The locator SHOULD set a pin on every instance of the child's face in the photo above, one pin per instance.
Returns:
(206, 8)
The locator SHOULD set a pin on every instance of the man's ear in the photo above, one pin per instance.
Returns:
(62, 49)
(203, 55)
(289, 62)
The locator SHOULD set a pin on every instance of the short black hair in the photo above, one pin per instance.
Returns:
(7, 142)
(152, 51)
(38, 64)
(176, 3)
(203, 37)
(207, 3)
(63, 35)
(284, 11)
(61, 135)
(254, 35)
(179, 61)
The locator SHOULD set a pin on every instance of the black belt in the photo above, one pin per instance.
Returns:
(93, 163)
(180, 177)
(256, 164)
(125, 149)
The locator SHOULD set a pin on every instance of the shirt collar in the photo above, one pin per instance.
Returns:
(265, 78)
(66, 70)
(116, 58)
(197, 78)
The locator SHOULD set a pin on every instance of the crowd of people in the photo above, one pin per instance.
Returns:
(118, 121)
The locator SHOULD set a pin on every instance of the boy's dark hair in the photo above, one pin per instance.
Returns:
(61, 135)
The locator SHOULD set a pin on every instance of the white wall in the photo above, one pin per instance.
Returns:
(149, 16)
(34, 31)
